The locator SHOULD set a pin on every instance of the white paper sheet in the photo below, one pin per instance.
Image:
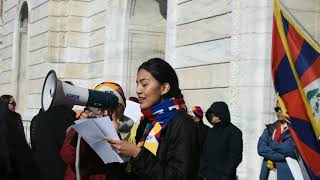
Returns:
(133, 111)
(94, 131)
(80, 121)
(294, 168)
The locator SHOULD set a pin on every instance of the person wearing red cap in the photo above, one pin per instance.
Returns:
(198, 119)
(198, 114)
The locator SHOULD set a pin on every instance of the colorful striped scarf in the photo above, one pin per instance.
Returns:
(159, 116)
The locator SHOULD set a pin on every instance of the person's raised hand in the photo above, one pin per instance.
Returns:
(124, 148)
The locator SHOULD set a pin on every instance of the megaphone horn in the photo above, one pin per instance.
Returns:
(56, 93)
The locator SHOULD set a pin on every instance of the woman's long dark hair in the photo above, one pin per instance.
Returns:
(5, 98)
(164, 73)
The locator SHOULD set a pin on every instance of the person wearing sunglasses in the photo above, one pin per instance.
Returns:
(16, 161)
(8, 99)
(275, 144)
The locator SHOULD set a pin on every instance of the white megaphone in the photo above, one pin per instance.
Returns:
(56, 92)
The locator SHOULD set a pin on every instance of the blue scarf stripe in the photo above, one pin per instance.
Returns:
(163, 114)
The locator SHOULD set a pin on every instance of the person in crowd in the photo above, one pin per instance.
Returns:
(16, 160)
(222, 152)
(275, 144)
(90, 166)
(202, 128)
(197, 116)
(33, 131)
(166, 146)
(9, 100)
(48, 133)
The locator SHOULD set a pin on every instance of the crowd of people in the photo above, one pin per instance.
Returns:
(168, 143)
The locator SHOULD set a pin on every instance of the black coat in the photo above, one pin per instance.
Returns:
(16, 160)
(222, 152)
(33, 125)
(177, 156)
(202, 133)
(47, 140)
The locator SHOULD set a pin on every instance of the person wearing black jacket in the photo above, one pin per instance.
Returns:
(16, 160)
(202, 128)
(222, 152)
(48, 133)
(33, 130)
(166, 144)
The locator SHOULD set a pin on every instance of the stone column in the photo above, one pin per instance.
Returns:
(171, 30)
(250, 84)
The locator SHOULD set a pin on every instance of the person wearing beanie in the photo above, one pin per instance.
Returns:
(198, 114)
(222, 151)
(125, 123)
(91, 166)
(202, 128)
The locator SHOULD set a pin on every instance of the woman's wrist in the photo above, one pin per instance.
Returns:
(136, 152)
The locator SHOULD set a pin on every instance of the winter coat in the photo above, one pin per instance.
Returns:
(16, 160)
(276, 152)
(202, 133)
(33, 128)
(222, 151)
(177, 155)
(90, 165)
(49, 134)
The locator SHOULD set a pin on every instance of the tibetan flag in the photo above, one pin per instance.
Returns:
(296, 77)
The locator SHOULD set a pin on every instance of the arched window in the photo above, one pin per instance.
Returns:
(24, 16)
(1, 8)
(22, 56)
(147, 34)
(163, 7)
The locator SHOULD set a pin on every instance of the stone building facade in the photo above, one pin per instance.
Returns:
(220, 49)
